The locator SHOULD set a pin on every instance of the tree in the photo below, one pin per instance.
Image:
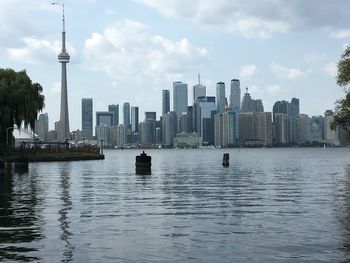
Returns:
(20, 102)
(342, 107)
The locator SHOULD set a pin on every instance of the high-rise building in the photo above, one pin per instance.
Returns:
(304, 129)
(86, 118)
(250, 105)
(199, 90)
(134, 119)
(255, 128)
(63, 58)
(180, 98)
(42, 126)
(235, 94)
(294, 115)
(185, 123)
(169, 126)
(104, 118)
(148, 132)
(218, 130)
(120, 136)
(317, 128)
(165, 101)
(220, 97)
(150, 115)
(281, 127)
(126, 113)
(330, 136)
(203, 109)
(115, 109)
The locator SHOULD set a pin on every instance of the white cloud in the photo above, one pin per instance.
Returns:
(139, 61)
(340, 34)
(331, 69)
(247, 71)
(288, 73)
(37, 51)
(256, 18)
(273, 89)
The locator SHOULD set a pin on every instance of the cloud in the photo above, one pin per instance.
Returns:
(287, 73)
(273, 89)
(130, 50)
(341, 34)
(331, 69)
(37, 51)
(256, 18)
(140, 62)
(247, 71)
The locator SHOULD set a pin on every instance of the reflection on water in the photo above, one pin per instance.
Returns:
(270, 205)
(20, 218)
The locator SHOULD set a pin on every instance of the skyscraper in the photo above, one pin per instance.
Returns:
(169, 128)
(63, 58)
(198, 90)
(86, 118)
(42, 126)
(165, 101)
(220, 97)
(250, 105)
(115, 109)
(134, 119)
(180, 98)
(235, 94)
(126, 113)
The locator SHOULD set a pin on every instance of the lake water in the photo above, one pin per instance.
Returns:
(269, 205)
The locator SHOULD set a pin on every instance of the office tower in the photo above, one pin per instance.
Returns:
(280, 107)
(180, 98)
(86, 118)
(220, 97)
(121, 132)
(185, 123)
(126, 113)
(330, 136)
(169, 126)
(150, 115)
(281, 126)
(134, 119)
(115, 109)
(218, 130)
(203, 109)
(251, 105)
(102, 136)
(148, 132)
(317, 128)
(63, 58)
(255, 128)
(198, 90)
(304, 129)
(42, 126)
(104, 118)
(165, 101)
(235, 94)
(294, 115)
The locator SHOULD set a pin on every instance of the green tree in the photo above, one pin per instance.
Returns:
(342, 107)
(20, 102)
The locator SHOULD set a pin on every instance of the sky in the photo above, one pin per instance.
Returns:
(130, 50)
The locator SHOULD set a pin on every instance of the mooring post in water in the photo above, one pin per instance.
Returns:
(226, 160)
(143, 164)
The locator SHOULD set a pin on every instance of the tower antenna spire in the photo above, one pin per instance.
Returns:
(199, 79)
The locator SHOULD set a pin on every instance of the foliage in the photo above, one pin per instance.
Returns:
(20, 102)
(342, 108)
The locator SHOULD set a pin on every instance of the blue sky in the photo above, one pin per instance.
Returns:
(129, 51)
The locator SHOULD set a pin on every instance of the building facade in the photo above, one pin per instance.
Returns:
(86, 118)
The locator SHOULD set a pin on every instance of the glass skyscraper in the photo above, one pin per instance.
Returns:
(86, 118)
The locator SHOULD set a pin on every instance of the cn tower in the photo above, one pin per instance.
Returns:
(63, 58)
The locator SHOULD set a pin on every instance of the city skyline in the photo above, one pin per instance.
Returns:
(164, 45)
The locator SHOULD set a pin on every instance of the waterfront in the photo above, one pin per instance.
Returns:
(270, 205)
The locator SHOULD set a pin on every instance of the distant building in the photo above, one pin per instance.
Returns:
(121, 132)
(199, 91)
(218, 130)
(330, 136)
(185, 123)
(169, 125)
(86, 118)
(317, 128)
(255, 128)
(165, 101)
(148, 132)
(187, 140)
(42, 126)
(102, 136)
(235, 94)
(281, 126)
(115, 109)
(126, 113)
(134, 119)
(220, 97)
(180, 99)
(226, 128)
(304, 129)
(150, 115)
(251, 105)
(104, 118)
